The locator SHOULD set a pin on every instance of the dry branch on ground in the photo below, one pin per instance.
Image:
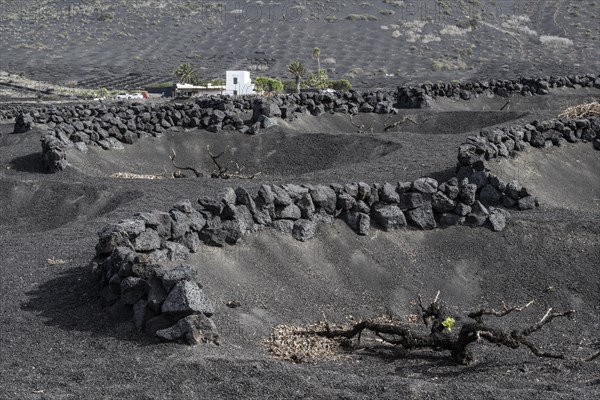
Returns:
(321, 340)
(410, 118)
(588, 110)
(222, 171)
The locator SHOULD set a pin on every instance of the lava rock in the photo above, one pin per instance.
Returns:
(442, 203)
(410, 200)
(176, 251)
(490, 196)
(147, 241)
(111, 238)
(345, 201)
(194, 329)
(284, 226)
(157, 220)
(304, 230)
(358, 221)
(466, 193)
(425, 185)
(462, 209)
(388, 217)
(191, 241)
(422, 217)
(291, 211)
(498, 219)
(24, 123)
(306, 205)
(513, 190)
(527, 203)
(323, 197)
(388, 194)
(132, 290)
(186, 298)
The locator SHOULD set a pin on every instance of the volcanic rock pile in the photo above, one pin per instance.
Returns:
(416, 97)
(24, 123)
(109, 126)
(492, 143)
(133, 257)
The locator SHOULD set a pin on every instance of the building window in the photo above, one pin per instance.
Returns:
(235, 92)
(235, 81)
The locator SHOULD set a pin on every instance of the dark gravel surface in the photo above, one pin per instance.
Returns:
(128, 44)
(56, 343)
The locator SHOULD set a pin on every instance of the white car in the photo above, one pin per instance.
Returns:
(130, 96)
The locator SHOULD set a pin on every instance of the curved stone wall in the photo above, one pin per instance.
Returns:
(133, 257)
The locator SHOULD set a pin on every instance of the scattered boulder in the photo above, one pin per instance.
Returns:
(527, 203)
(193, 329)
(498, 218)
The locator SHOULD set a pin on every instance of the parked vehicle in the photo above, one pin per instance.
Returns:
(130, 96)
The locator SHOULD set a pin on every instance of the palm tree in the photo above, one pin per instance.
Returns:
(185, 73)
(297, 69)
(317, 56)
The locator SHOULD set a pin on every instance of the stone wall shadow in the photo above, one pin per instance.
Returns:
(29, 163)
(72, 302)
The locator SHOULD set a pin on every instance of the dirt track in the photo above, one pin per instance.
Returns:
(57, 343)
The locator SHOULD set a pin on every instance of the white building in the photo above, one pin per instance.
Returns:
(238, 83)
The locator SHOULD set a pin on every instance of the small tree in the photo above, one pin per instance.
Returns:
(185, 73)
(269, 85)
(297, 69)
(316, 53)
(341, 85)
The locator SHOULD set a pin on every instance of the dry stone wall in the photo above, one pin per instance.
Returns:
(417, 97)
(113, 125)
(134, 257)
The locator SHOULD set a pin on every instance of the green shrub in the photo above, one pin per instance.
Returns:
(266, 84)
(341, 85)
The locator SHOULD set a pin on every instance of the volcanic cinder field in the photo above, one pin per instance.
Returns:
(61, 337)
